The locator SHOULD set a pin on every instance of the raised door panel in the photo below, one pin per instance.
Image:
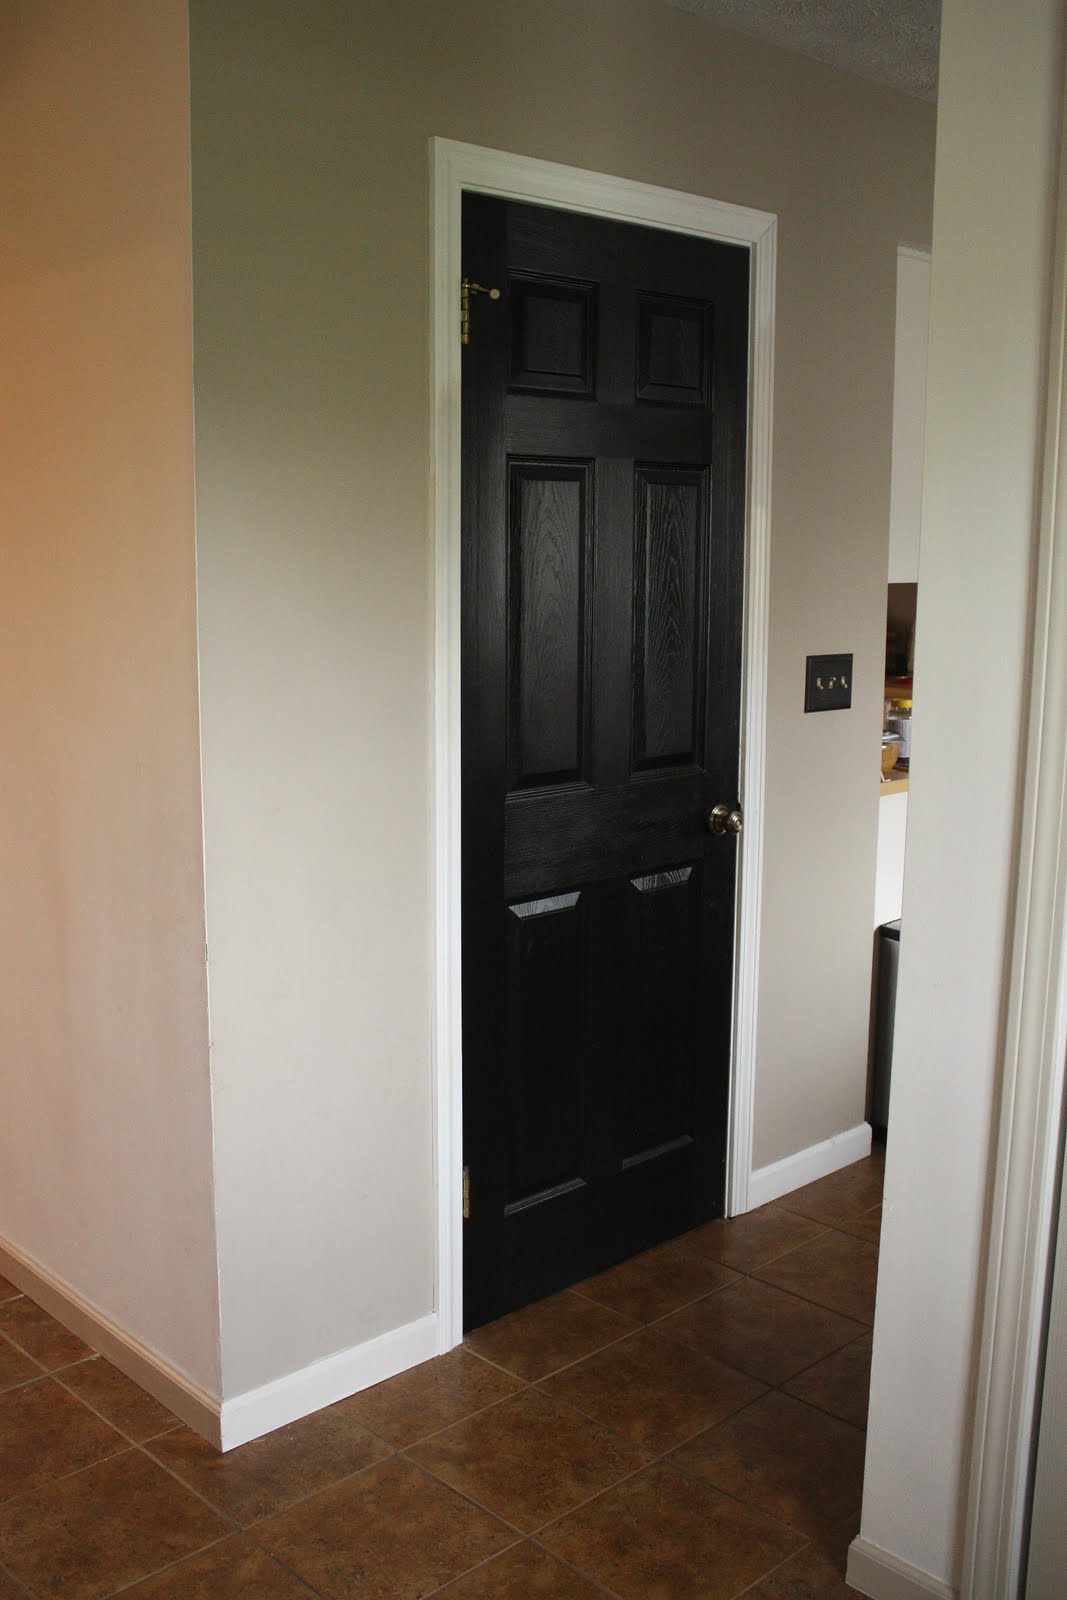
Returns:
(547, 945)
(670, 513)
(662, 1009)
(549, 552)
(553, 336)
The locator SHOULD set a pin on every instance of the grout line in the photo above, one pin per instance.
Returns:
(596, 1583)
(122, 1432)
(167, 1567)
(22, 1588)
(465, 1494)
(808, 1545)
(125, 1448)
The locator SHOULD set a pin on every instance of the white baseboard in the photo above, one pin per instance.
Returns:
(138, 1361)
(249, 1415)
(260, 1411)
(876, 1573)
(817, 1161)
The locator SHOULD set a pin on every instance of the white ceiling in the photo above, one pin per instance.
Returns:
(894, 42)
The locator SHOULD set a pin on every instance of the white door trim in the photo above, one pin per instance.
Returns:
(1028, 1140)
(456, 167)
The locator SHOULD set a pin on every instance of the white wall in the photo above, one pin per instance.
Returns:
(997, 140)
(311, 275)
(105, 1109)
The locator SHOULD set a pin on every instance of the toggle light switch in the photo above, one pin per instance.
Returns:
(828, 684)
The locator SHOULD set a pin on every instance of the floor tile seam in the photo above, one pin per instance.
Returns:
(796, 1249)
(769, 1261)
(468, 1416)
(583, 1505)
(747, 1505)
(477, 1567)
(676, 1339)
(103, 1418)
(24, 1383)
(126, 1448)
(288, 1505)
(22, 1588)
(6, 1339)
(465, 1494)
(660, 1455)
(553, 1371)
(822, 1305)
(835, 1416)
(231, 1521)
(683, 1305)
(166, 1567)
(864, 1333)
(597, 1583)
(249, 1535)
(808, 1544)
(488, 1360)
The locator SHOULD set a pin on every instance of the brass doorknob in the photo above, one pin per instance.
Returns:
(722, 820)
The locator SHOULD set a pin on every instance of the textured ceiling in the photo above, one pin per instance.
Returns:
(893, 42)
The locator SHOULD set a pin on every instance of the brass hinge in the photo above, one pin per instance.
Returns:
(466, 1193)
(466, 289)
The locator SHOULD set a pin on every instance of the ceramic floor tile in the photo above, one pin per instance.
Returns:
(668, 1535)
(653, 1389)
(844, 1194)
(15, 1367)
(40, 1335)
(523, 1573)
(836, 1270)
(785, 1458)
(748, 1242)
(550, 1334)
(761, 1330)
(117, 1398)
(528, 1459)
(390, 1533)
(658, 1281)
(8, 1290)
(260, 1478)
(232, 1570)
(104, 1528)
(431, 1396)
(840, 1384)
(868, 1225)
(46, 1433)
(806, 1576)
(9, 1589)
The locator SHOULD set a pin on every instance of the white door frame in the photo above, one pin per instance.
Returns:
(457, 167)
(1026, 1172)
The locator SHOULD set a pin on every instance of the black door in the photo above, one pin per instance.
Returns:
(604, 420)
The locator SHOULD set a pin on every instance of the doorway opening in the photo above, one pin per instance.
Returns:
(459, 169)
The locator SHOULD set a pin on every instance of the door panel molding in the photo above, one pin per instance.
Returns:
(457, 167)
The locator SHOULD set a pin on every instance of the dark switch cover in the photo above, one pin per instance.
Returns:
(829, 683)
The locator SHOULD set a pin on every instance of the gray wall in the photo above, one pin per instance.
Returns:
(311, 318)
(105, 1101)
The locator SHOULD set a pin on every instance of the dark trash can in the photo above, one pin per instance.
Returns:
(885, 1008)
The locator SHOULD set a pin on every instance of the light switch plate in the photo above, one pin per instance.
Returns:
(829, 683)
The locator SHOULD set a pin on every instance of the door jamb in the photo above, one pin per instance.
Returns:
(456, 167)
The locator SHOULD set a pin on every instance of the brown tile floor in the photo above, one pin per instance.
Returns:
(688, 1426)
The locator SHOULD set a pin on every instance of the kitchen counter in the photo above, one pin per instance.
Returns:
(895, 783)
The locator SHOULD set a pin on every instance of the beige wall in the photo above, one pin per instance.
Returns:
(311, 205)
(993, 217)
(105, 1114)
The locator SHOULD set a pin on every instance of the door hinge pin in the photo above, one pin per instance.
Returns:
(466, 1193)
(466, 289)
